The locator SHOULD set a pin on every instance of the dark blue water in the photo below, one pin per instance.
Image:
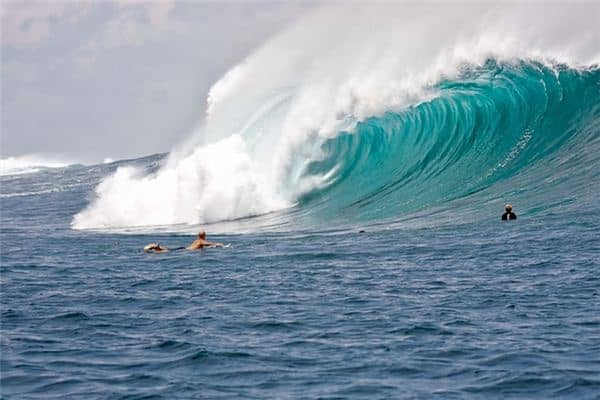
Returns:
(466, 310)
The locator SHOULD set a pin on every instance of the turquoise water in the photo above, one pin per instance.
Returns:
(520, 132)
(436, 299)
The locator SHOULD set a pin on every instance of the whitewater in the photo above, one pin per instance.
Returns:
(357, 163)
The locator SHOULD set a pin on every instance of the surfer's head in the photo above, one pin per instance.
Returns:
(202, 235)
(508, 208)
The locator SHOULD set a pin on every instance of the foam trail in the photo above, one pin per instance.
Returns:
(268, 116)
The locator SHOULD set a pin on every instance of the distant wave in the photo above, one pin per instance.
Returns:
(413, 107)
(28, 164)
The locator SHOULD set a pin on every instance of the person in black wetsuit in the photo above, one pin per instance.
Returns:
(508, 215)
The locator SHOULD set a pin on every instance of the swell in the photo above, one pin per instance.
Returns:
(520, 132)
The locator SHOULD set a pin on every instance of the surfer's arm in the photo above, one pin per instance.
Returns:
(196, 245)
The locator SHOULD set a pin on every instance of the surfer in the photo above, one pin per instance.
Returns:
(201, 242)
(197, 244)
(155, 248)
(508, 215)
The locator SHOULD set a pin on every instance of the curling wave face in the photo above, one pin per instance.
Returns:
(382, 128)
(519, 131)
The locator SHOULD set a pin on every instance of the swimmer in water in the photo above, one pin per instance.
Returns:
(508, 215)
(201, 242)
(155, 248)
(197, 244)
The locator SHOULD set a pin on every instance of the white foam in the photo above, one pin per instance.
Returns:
(336, 66)
(215, 182)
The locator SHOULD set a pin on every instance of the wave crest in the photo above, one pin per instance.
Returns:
(28, 164)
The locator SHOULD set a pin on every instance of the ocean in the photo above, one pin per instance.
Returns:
(367, 257)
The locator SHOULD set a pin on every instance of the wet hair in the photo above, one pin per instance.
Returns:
(508, 207)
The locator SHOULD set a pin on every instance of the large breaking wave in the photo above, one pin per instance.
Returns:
(374, 113)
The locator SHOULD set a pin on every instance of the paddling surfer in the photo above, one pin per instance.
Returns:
(201, 242)
(197, 244)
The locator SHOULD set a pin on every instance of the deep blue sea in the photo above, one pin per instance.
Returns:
(436, 299)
